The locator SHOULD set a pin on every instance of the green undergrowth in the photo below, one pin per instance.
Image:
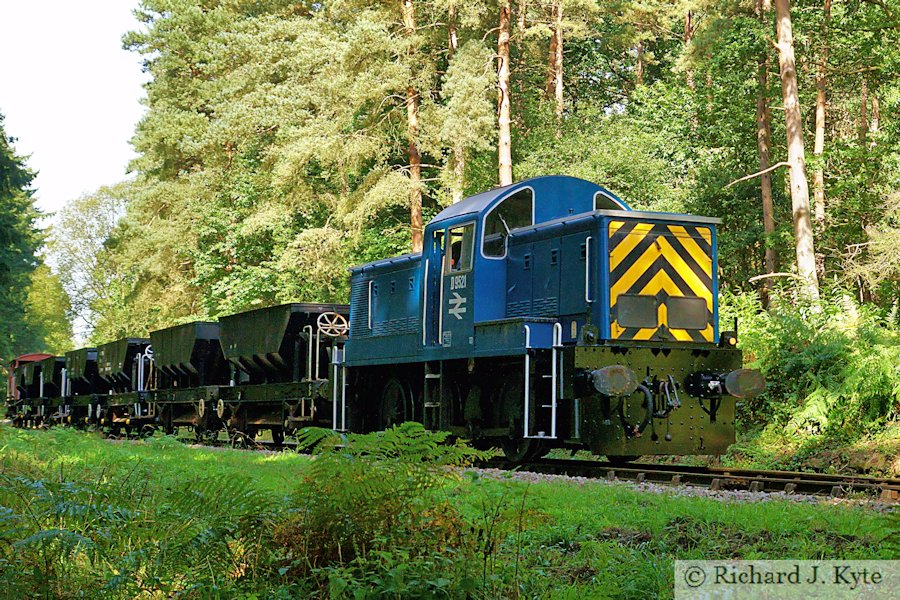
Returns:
(832, 369)
(876, 454)
(395, 514)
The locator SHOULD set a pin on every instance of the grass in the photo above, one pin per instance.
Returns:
(601, 540)
(84, 517)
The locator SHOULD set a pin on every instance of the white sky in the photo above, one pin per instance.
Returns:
(69, 92)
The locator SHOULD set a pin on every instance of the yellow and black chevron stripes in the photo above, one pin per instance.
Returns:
(661, 261)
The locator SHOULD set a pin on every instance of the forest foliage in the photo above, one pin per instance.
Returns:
(34, 307)
(276, 148)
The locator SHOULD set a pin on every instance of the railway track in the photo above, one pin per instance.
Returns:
(716, 478)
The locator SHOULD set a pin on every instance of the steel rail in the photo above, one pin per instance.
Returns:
(715, 478)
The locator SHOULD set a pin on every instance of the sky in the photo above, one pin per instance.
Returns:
(69, 93)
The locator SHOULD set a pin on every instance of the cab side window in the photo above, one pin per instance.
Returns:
(516, 210)
(460, 245)
(603, 201)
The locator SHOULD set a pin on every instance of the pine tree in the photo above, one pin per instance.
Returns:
(19, 241)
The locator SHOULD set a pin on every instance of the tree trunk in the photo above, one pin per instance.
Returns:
(688, 36)
(523, 12)
(819, 148)
(639, 65)
(452, 33)
(763, 143)
(555, 62)
(550, 88)
(876, 116)
(412, 132)
(458, 154)
(863, 106)
(504, 143)
(691, 82)
(803, 234)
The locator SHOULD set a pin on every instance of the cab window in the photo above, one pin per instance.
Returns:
(516, 210)
(603, 201)
(459, 253)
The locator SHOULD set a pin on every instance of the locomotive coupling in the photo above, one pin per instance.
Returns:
(740, 383)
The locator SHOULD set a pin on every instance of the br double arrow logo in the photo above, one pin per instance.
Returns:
(457, 306)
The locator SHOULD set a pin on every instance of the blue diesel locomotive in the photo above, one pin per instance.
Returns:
(549, 314)
(545, 314)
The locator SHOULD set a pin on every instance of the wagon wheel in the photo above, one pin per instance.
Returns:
(278, 436)
(204, 435)
(396, 399)
(238, 439)
(332, 324)
(147, 431)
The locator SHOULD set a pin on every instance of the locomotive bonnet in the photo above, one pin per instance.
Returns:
(539, 315)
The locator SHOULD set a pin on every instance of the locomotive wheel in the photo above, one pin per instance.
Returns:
(396, 403)
(516, 448)
(622, 459)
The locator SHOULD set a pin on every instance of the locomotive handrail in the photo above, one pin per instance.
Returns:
(369, 311)
(440, 330)
(318, 353)
(425, 306)
(336, 359)
(554, 377)
(587, 268)
(308, 329)
(526, 430)
(343, 393)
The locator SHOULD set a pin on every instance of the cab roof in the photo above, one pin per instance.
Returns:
(555, 197)
(561, 185)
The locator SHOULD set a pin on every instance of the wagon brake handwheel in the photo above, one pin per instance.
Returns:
(332, 324)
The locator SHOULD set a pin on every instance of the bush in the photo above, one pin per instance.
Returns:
(108, 537)
(830, 365)
(373, 514)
